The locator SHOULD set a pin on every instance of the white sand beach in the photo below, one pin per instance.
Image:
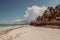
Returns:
(27, 32)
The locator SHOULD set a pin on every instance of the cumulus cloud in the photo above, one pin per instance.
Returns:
(33, 12)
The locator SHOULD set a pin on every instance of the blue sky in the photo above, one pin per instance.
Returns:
(15, 9)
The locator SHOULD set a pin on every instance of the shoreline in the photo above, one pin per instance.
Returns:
(10, 28)
(19, 26)
(27, 32)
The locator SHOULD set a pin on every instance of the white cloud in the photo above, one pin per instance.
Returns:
(34, 11)
(3, 21)
(16, 21)
(31, 14)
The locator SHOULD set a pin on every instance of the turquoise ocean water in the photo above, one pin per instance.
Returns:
(7, 25)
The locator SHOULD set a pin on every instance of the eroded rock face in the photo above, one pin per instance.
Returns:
(50, 16)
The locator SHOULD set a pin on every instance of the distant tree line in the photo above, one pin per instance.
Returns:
(50, 15)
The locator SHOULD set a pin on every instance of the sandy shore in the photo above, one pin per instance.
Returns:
(26, 32)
